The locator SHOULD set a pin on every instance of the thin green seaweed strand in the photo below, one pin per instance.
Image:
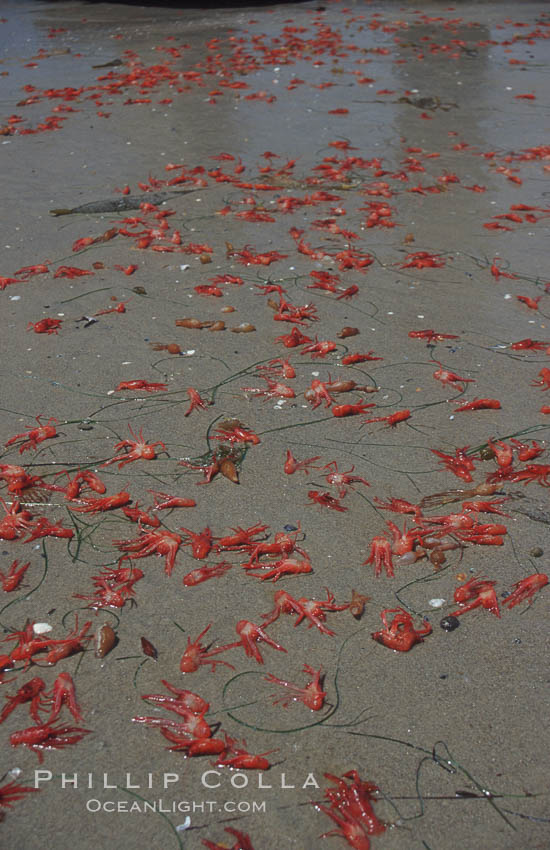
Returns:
(26, 595)
(298, 728)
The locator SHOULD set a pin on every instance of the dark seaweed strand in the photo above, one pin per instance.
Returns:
(27, 593)
(298, 728)
(162, 815)
(449, 764)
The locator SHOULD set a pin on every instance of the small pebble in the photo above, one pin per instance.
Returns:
(536, 552)
(436, 603)
(449, 624)
(14, 773)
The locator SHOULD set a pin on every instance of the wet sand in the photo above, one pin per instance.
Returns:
(453, 732)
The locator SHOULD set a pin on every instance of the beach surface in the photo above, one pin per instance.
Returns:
(292, 171)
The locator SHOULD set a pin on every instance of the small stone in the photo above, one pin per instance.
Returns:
(536, 552)
(449, 624)
(14, 773)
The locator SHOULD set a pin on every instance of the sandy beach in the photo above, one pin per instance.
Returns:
(274, 295)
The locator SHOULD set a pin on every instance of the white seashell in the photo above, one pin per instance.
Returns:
(41, 628)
